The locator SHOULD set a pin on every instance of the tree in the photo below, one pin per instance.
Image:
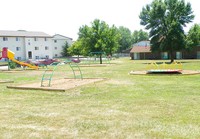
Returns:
(112, 40)
(75, 49)
(98, 38)
(166, 20)
(193, 36)
(65, 49)
(125, 40)
(139, 36)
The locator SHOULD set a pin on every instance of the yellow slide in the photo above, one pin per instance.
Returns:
(11, 56)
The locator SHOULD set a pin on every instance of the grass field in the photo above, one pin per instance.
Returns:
(125, 106)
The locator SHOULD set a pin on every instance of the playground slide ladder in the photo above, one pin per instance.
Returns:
(47, 76)
(76, 70)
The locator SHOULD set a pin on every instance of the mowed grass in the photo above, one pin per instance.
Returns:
(124, 106)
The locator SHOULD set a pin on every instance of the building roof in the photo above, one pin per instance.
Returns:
(22, 33)
(61, 37)
(141, 49)
(142, 43)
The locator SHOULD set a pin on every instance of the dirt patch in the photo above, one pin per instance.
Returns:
(183, 72)
(59, 84)
(93, 65)
(6, 81)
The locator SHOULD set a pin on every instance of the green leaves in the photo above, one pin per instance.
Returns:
(65, 50)
(99, 37)
(139, 36)
(165, 20)
(193, 37)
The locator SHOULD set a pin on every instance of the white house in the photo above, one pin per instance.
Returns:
(142, 43)
(32, 45)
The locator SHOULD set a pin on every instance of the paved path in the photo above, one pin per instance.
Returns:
(3, 67)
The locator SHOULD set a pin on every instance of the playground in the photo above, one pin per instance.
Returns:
(47, 82)
(56, 77)
(106, 100)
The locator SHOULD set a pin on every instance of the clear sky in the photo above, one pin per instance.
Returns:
(66, 16)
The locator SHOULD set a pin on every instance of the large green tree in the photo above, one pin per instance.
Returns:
(193, 36)
(165, 19)
(139, 36)
(98, 38)
(125, 40)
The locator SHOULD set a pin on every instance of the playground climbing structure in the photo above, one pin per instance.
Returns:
(76, 70)
(6, 53)
(49, 73)
(175, 67)
(47, 76)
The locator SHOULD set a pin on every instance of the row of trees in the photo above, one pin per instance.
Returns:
(165, 20)
(128, 38)
(100, 37)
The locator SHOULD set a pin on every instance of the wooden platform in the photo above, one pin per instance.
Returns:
(164, 71)
(183, 72)
(60, 85)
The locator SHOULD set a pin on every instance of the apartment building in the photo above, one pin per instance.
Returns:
(58, 42)
(33, 45)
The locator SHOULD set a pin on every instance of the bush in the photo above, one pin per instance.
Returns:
(12, 65)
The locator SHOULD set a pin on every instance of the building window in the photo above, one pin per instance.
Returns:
(136, 56)
(35, 39)
(47, 56)
(37, 57)
(56, 48)
(55, 41)
(5, 39)
(198, 54)
(17, 39)
(56, 55)
(29, 43)
(45, 39)
(19, 58)
(18, 48)
(36, 48)
(178, 55)
(46, 48)
(164, 55)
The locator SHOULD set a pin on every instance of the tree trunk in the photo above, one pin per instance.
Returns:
(100, 59)
(171, 56)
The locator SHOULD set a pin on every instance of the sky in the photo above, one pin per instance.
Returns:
(65, 17)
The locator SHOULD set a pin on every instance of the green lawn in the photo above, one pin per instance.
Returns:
(125, 106)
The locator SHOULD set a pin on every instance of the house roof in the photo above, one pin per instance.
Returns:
(140, 49)
(142, 43)
(22, 33)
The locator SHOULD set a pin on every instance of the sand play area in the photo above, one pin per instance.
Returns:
(58, 84)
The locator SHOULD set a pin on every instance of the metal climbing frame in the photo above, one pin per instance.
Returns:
(47, 76)
(76, 70)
